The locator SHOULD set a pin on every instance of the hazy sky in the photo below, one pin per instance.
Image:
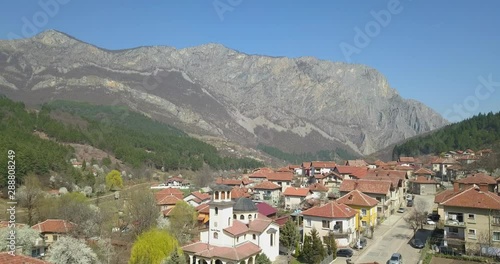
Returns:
(445, 54)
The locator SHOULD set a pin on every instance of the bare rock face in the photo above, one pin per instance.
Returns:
(300, 105)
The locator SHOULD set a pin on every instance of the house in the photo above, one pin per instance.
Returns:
(166, 199)
(259, 175)
(5, 257)
(266, 210)
(350, 172)
(238, 192)
(197, 198)
(178, 182)
(294, 197)
(52, 229)
(406, 161)
(203, 215)
(366, 207)
(399, 185)
(237, 232)
(356, 163)
(423, 185)
(338, 219)
(440, 165)
(424, 172)
(283, 179)
(323, 167)
(318, 189)
(378, 189)
(268, 192)
(479, 179)
(472, 218)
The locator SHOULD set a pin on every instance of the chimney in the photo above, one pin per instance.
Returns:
(456, 187)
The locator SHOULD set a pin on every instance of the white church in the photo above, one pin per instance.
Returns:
(237, 233)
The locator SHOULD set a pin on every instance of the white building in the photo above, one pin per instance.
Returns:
(237, 233)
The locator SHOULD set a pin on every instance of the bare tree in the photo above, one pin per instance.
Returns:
(30, 195)
(417, 217)
(204, 177)
(142, 210)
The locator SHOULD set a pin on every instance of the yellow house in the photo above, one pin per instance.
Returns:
(366, 207)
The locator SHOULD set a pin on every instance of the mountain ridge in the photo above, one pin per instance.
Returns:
(211, 89)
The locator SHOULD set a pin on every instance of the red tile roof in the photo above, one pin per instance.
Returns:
(406, 159)
(280, 176)
(201, 196)
(358, 172)
(318, 187)
(167, 200)
(266, 209)
(323, 164)
(423, 171)
(331, 210)
(54, 226)
(474, 198)
(267, 185)
(238, 192)
(443, 196)
(294, 191)
(203, 208)
(423, 180)
(478, 178)
(404, 168)
(281, 221)
(170, 191)
(257, 225)
(6, 258)
(236, 253)
(355, 197)
(306, 165)
(366, 186)
(229, 182)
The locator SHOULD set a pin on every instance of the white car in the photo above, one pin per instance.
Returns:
(430, 222)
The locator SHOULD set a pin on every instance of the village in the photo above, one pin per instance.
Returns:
(432, 202)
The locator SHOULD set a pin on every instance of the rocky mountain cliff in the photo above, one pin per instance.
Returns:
(295, 104)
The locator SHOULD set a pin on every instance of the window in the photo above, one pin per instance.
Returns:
(363, 212)
(216, 211)
(216, 235)
(229, 221)
(308, 222)
(496, 236)
(288, 199)
(379, 199)
(234, 216)
(496, 220)
(472, 233)
(54, 237)
(271, 240)
(217, 195)
(363, 223)
(242, 217)
(472, 217)
(379, 209)
(254, 236)
(326, 224)
(237, 239)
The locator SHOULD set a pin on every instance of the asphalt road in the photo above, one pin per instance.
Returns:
(392, 236)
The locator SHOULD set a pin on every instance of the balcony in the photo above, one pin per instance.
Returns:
(454, 223)
(455, 236)
(339, 233)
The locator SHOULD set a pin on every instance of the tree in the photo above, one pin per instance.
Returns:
(182, 221)
(114, 180)
(317, 246)
(175, 258)
(417, 217)
(25, 237)
(142, 210)
(331, 245)
(153, 246)
(262, 259)
(307, 250)
(30, 195)
(71, 250)
(289, 236)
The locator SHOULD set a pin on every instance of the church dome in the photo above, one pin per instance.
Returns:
(244, 205)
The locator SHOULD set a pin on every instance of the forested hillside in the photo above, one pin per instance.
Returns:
(322, 155)
(481, 131)
(129, 136)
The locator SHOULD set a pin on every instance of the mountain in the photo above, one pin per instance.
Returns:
(294, 104)
(477, 132)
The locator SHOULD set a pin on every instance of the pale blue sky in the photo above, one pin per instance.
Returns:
(431, 51)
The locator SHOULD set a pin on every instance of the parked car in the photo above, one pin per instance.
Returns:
(430, 222)
(345, 252)
(417, 243)
(396, 258)
(362, 243)
(401, 210)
